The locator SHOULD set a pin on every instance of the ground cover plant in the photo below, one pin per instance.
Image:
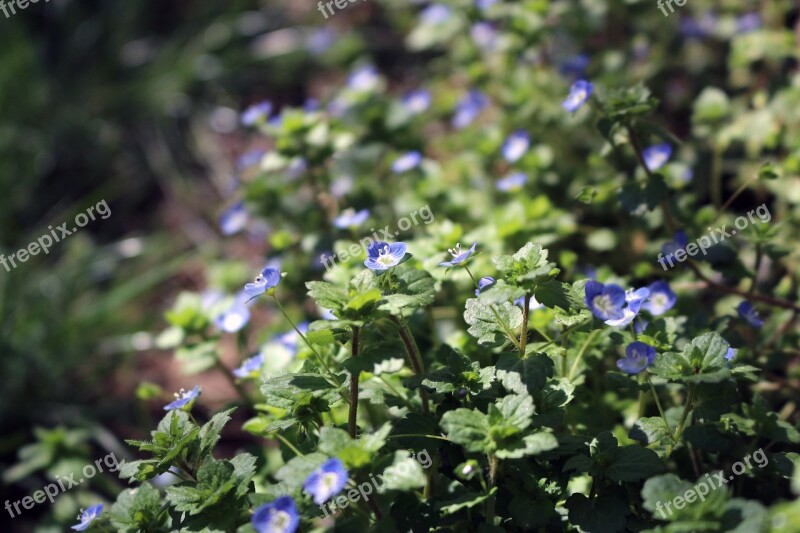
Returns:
(542, 277)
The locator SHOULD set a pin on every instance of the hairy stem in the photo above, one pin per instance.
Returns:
(353, 415)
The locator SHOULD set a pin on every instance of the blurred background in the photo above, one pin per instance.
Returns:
(138, 103)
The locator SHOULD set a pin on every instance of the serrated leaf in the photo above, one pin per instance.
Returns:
(488, 323)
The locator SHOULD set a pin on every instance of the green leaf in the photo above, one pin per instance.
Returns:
(604, 514)
(414, 288)
(526, 268)
(405, 473)
(283, 391)
(458, 373)
(469, 428)
(209, 433)
(703, 360)
(524, 376)
(465, 501)
(137, 510)
(488, 323)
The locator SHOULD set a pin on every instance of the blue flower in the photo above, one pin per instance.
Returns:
(250, 367)
(638, 356)
(532, 303)
(88, 516)
(320, 40)
(679, 242)
(699, 28)
(184, 400)
(468, 108)
(435, 14)
(279, 516)
(256, 113)
(516, 145)
(417, 102)
(574, 65)
(459, 256)
(657, 156)
(730, 355)
(235, 317)
(382, 255)
(484, 35)
(297, 166)
(639, 325)
(661, 299)
(326, 481)
(290, 339)
(580, 91)
(484, 283)
(234, 219)
(485, 4)
(350, 218)
(268, 279)
(749, 314)
(634, 299)
(363, 79)
(311, 105)
(249, 158)
(749, 22)
(512, 182)
(605, 301)
(406, 162)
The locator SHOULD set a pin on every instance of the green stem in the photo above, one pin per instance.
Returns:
(658, 404)
(735, 195)
(289, 445)
(757, 267)
(353, 415)
(523, 336)
(716, 176)
(580, 354)
(414, 356)
(490, 503)
(419, 435)
(684, 415)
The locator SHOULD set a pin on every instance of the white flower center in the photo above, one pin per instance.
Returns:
(279, 521)
(455, 252)
(603, 303)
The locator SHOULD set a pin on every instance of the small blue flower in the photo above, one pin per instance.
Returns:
(311, 105)
(268, 279)
(484, 35)
(435, 14)
(657, 156)
(699, 28)
(459, 256)
(532, 303)
(297, 166)
(574, 65)
(512, 182)
(88, 516)
(184, 400)
(749, 314)
(661, 299)
(382, 255)
(327, 314)
(516, 145)
(250, 367)
(320, 40)
(634, 299)
(468, 108)
(605, 301)
(256, 113)
(638, 356)
(730, 355)
(639, 325)
(279, 516)
(363, 79)
(579, 93)
(485, 4)
(235, 317)
(484, 283)
(290, 339)
(326, 481)
(249, 158)
(679, 242)
(749, 22)
(350, 218)
(234, 219)
(416, 102)
(406, 162)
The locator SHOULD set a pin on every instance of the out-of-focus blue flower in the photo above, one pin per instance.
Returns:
(638, 356)
(605, 301)
(634, 299)
(256, 113)
(350, 218)
(749, 22)
(310, 105)
(580, 91)
(512, 182)
(661, 299)
(320, 40)
(485, 4)
(268, 279)
(416, 102)
(184, 400)
(574, 66)
(235, 317)
(327, 314)
(484, 283)
(363, 79)
(459, 255)
(484, 35)
(657, 156)
(699, 28)
(639, 325)
(516, 145)
(679, 242)
(341, 186)
(435, 14)
(406, 162)
(234, 219)
(249, 158)
(290, 339)
(382, 255)
(730, 355)
(588, 271)
(279, 516)
(326, 481)
(88, 516)
(532, 303)
(468, 108)
(250, 367)
(749, 314)
(297, 166)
